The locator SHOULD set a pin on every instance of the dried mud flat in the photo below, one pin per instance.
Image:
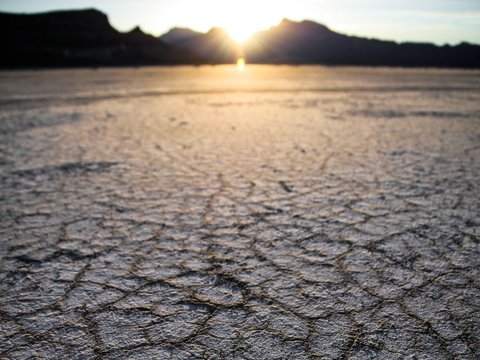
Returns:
(278, 213)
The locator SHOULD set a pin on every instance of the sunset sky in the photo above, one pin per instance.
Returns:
(439, 21)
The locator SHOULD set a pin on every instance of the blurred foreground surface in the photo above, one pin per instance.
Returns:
(275, 213)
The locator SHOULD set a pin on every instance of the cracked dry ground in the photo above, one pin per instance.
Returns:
(280, 213)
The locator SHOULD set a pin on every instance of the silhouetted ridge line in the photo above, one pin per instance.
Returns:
(177, 35)
(80, 38)
(86, 38)
(307, 42)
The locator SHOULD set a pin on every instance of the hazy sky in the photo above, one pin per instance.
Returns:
(440, 21)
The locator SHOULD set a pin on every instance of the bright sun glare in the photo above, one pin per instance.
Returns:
(241, 33)
(248, 18)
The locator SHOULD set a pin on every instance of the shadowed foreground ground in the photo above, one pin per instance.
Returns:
(279, 213)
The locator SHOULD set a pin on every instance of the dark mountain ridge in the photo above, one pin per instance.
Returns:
(177, 34)
(215, 46)
(80, 38)
(307, 42)
(86, 38)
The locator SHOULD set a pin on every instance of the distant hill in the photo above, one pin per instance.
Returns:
(79, 38)
(215, 46)
(307, 42)
(177, 35)
(86, 38)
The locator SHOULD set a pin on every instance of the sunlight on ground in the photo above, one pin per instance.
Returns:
(241, 64)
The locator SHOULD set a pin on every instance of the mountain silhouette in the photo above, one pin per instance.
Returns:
(307, 42)
(215, 46)
(79, 38)
(178, 35)
(86, 38)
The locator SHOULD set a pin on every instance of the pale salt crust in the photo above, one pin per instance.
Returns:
(206, 213)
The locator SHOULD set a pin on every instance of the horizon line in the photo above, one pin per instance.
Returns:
(202, 32)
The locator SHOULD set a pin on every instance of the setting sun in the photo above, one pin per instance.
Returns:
(240, 34)
(251, 16)
(242, 31)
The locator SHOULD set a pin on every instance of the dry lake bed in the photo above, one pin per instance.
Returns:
(210, 213)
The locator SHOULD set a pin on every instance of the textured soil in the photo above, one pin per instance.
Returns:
(277, 213)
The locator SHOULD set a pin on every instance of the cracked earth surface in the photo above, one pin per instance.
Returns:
(279, 213)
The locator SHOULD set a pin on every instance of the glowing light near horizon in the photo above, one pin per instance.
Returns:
(248, 17)
(241, 64)
(241, 32)
(240, 19)
(240, 35)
